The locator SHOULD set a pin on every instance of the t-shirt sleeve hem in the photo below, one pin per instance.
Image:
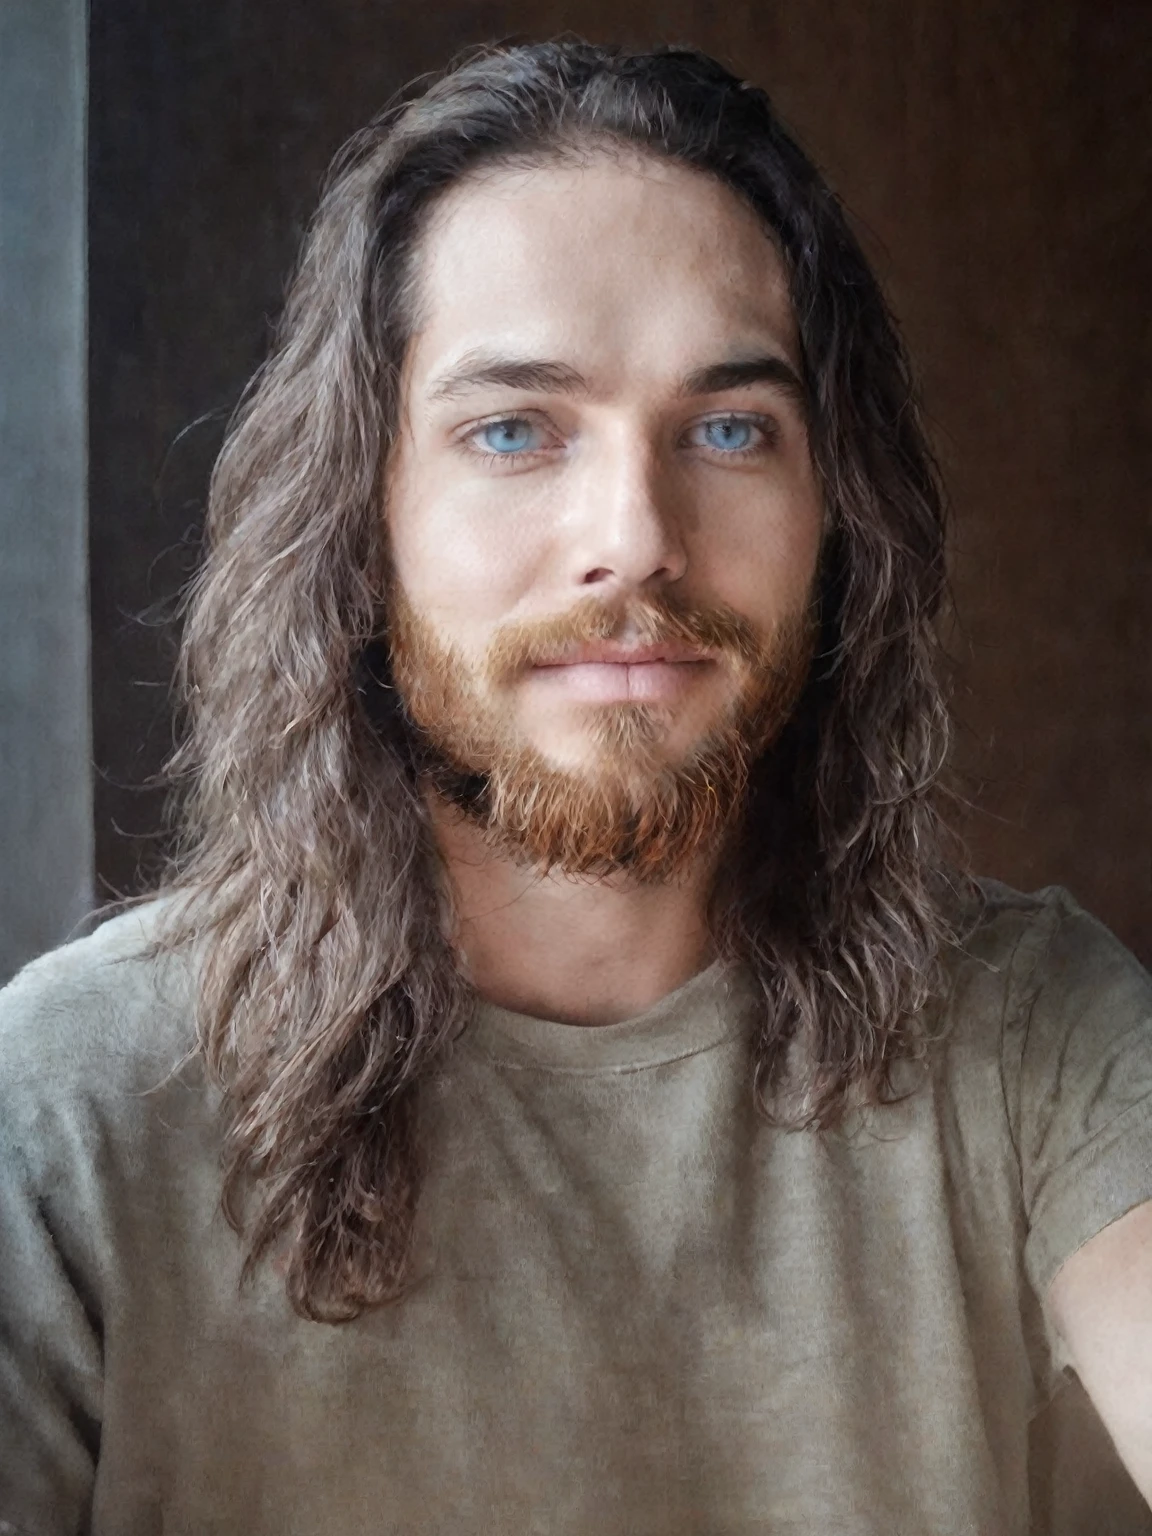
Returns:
(1108, 1177)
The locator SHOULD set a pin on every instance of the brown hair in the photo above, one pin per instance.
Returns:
(325, 987)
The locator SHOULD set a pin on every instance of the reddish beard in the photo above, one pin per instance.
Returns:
(631, 809)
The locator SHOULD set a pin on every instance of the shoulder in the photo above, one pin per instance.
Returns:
(1054, 1005)
(1015, 948)
(997, 921)
(103, 1013)
(1048, 1013)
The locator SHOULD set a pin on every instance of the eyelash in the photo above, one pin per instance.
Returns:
(488, 457)
(768, 429)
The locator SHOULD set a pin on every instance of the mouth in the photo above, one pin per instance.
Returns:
(621, 654)
(608, 672)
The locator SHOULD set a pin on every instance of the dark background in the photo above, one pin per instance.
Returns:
(996, 157)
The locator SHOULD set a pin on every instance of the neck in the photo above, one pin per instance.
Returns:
(578, 951)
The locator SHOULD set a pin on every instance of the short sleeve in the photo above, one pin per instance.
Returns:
(1078, 1068)
(87, 1034)
(50, 1348)
(50, 1378)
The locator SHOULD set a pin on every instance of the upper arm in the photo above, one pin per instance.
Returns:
(50, 1367)
(1078, 1059)
(1080, 1068)
(1101, 1305)
(86, 1034)
(50, 1349)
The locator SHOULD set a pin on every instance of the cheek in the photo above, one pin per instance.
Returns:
(462, 557)
(760, 548)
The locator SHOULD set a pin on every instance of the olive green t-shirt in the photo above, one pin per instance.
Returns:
(647, 1312)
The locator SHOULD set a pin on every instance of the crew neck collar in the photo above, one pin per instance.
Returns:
(710, 1008)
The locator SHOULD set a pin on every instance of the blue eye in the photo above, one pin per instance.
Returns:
(730, 434)
(512, 435)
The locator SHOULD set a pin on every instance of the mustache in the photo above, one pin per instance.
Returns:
(654, 620)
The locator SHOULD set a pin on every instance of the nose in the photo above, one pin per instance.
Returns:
(627, 533)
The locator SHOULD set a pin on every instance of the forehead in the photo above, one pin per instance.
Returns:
(615, 262)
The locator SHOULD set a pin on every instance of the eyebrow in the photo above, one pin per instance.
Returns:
(484, 370)
(715, 378)
(546, 376)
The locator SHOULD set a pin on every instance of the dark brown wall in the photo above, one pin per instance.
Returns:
(996, 157)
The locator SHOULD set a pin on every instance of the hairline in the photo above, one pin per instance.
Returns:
(576, 145)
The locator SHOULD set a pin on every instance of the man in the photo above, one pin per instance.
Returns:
(561, 1088)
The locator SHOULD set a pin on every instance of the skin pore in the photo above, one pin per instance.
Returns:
(601, 400)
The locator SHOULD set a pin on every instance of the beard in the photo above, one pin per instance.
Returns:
(631, 808)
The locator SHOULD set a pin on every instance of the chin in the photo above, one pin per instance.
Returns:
(621, 742)
(586, 730)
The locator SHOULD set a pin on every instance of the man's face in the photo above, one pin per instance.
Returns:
(603, 517)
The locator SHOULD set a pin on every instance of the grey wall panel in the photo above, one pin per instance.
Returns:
(45, 756)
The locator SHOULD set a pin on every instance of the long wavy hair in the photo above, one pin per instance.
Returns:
(306, 876)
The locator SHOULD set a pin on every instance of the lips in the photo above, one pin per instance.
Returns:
(612, 653)
(606, 672)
